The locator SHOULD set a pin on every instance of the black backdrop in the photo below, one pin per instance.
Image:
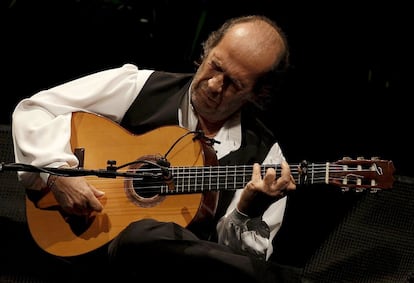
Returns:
(348, 94)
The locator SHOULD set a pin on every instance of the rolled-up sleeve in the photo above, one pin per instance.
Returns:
(244, 234)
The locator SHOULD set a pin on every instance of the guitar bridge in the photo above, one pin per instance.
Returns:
(80, 155)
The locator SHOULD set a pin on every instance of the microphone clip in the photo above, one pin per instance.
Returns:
(201, 136)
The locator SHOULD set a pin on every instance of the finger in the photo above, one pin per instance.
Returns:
(287, 178)
(97, 193)
(270, 176)
(95, 205)
(256, 175)
(285, 169)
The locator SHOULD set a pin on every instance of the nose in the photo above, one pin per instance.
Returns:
(215, 83)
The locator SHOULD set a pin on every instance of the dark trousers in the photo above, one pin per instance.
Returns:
(159, 250)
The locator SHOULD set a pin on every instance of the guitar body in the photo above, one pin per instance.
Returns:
(100, 140)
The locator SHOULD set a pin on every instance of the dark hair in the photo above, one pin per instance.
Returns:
(269, 82)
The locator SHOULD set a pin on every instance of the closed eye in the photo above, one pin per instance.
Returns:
(228, 79)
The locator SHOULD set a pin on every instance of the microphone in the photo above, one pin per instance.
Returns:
(201, 136)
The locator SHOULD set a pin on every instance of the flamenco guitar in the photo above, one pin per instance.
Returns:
(169, 174)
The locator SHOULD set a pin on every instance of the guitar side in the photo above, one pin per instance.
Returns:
(102, 140)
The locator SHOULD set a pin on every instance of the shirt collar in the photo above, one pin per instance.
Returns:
(229, 136)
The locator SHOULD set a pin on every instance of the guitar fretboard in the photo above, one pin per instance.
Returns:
(185, 180)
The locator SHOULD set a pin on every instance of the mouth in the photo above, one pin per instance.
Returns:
(206, 97)
(212, 99)
(212, 102)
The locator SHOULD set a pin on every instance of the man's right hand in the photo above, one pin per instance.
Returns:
(75, 195)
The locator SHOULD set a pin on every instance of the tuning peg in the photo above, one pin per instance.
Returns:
(375, 158)
(360, 158)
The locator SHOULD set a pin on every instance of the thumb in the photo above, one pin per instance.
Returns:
(94, 202)
(97, 193)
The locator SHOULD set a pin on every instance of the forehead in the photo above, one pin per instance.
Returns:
(247, 50)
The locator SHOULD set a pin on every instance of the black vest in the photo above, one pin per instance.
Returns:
(157, 105)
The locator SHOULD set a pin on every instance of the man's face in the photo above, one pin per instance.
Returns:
(219, 88)
(226, 77)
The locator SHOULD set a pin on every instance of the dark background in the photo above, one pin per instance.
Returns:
(348, 93)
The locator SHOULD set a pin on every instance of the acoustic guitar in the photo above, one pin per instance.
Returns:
(169, 174)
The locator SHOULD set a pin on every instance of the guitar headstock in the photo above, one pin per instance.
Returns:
(362, 174)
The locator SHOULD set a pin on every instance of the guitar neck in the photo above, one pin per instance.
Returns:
(228, 178)
(185, 180)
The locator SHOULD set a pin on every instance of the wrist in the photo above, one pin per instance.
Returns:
(51, 181)
(256, 205)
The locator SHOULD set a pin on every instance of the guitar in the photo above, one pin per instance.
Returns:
(169, 174)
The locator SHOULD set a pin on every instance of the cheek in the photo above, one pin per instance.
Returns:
(237, 97)
(234, 102)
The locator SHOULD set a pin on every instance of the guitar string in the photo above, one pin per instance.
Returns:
(212, 177)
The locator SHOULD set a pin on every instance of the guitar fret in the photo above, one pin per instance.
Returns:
(244, 174)
(176, 178)
(235, 178)
(191, 181)
(313, 173)
(218, 179)
(227, 174)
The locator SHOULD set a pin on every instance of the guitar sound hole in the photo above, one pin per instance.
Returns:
(148, 187)
(144, 190)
